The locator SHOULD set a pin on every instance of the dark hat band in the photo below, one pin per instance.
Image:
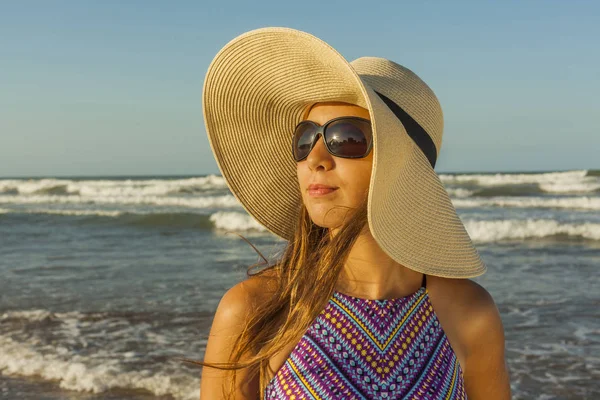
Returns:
(414, 130)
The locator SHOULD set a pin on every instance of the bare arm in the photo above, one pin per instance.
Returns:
(227, 325)
(486, 372)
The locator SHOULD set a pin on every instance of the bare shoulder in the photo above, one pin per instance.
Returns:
(263, 284)
(238, 302)
(229, 321)
(472, 323)
(466, 311)
(464, 301)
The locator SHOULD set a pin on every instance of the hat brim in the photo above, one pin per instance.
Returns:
(255, 92)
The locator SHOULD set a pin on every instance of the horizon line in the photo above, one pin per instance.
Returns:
(218, 174)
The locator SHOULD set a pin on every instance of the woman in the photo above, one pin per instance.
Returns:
(370, 298)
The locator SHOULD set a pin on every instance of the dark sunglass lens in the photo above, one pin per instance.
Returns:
(349, 138)
(303, 138)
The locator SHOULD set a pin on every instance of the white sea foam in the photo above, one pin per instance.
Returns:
(66, 361)
(571, 187)
(235, 221)
(29, 315)
(229, 201)
(114, 187)
(460, 192)
(82, 212)
(491, 231)
(83, 374)
(224, 201)
(101, 213)
(227, 220)
(584, 333)
(507, 178)
(551, 182)
(581, 203)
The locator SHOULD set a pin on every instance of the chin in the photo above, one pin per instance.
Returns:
(331, 221)
(323, 225)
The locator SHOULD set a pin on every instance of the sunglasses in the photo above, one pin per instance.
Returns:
(345, 137)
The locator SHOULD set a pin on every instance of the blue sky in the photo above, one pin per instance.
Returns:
(114, 87)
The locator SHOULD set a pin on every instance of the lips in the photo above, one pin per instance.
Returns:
(319, 186)
(316, 190)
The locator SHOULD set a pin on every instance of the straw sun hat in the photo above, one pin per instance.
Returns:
(256, 90)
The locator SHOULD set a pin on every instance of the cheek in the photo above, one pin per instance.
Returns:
(356, 176)
(301, 174)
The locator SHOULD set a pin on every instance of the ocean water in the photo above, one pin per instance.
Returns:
(105, 282)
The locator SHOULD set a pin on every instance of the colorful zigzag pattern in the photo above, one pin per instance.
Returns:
(371, 349)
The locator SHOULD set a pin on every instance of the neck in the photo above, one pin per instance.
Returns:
(370, 273)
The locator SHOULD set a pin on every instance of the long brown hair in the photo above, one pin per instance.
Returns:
(305, 277)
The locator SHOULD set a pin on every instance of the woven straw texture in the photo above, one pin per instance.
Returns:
(255, 92)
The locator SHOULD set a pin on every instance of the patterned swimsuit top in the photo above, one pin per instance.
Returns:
(371, 349)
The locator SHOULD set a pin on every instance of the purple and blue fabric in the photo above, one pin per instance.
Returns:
(371, 349)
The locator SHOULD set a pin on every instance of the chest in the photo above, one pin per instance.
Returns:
(354, 351)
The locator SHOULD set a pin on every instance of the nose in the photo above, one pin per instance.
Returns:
(319, 156)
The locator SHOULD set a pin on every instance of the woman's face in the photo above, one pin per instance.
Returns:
(350, 176)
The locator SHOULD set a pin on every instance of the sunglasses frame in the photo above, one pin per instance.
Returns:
(322, 130)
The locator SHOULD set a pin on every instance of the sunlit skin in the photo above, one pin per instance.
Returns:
(369, 272)
(465, 310)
